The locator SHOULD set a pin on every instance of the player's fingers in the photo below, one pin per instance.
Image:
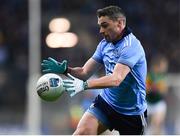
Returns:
(70, 89)
(47, 62)
(52, 60)
(66, 81)
(44, 65)
(67, 86)
(64, 63)
(46, 70)
(72, 94)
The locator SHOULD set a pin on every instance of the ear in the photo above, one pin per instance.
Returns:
(121, 22)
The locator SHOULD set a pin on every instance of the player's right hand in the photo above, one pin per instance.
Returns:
(74, 85)
(52, 66)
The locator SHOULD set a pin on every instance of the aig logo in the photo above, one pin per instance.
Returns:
(53, 82)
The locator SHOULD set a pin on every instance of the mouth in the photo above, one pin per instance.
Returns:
(106, 37)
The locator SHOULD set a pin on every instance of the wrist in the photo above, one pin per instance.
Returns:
(85, 85)
(66, 71)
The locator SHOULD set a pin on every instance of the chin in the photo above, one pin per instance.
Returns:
(108, 40)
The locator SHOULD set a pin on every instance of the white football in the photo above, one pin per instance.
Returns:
(50, 87)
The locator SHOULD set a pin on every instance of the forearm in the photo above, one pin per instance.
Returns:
(75, 85)
(104, 82)
(112, 80)
(78, 72)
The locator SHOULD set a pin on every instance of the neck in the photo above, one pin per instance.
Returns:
(123, 33)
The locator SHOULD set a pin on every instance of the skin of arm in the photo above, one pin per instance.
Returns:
(118, 75)
(83, 73)
(86, 71)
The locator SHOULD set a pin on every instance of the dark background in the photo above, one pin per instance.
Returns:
(155, 22)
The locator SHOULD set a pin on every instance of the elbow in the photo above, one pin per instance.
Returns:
(84, 78)
(117, 81)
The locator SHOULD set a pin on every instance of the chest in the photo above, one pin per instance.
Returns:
(110, 58)
(111, 54)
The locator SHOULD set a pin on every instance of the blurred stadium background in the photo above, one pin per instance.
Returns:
(24, 27)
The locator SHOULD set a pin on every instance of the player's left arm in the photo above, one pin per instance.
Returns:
(75, 85)
(118, 75)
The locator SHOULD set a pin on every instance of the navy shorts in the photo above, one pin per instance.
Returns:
(125, 124)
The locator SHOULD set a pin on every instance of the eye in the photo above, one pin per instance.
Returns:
(104, 25)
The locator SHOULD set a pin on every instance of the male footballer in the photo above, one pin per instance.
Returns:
(121, 105)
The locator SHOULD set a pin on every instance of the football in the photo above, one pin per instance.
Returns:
(50, 87)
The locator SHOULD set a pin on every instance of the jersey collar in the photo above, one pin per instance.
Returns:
(126, 31)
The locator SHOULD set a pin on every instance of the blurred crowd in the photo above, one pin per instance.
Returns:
(155, 23)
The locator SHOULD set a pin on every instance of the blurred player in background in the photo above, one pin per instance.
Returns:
(156, 90)
(121, 104)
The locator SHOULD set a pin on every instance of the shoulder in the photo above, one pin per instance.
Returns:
(130, 41)
(102, 44)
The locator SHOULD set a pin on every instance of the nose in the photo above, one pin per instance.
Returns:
(101, 31)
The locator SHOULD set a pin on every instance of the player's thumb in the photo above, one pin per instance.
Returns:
(64, 64)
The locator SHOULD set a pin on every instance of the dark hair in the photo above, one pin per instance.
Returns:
(113, 12)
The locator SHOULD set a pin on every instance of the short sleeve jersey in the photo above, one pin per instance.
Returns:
(129, 97)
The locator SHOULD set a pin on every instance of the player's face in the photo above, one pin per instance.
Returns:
(110, 29)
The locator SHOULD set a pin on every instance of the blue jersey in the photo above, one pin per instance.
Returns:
(129, 97)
